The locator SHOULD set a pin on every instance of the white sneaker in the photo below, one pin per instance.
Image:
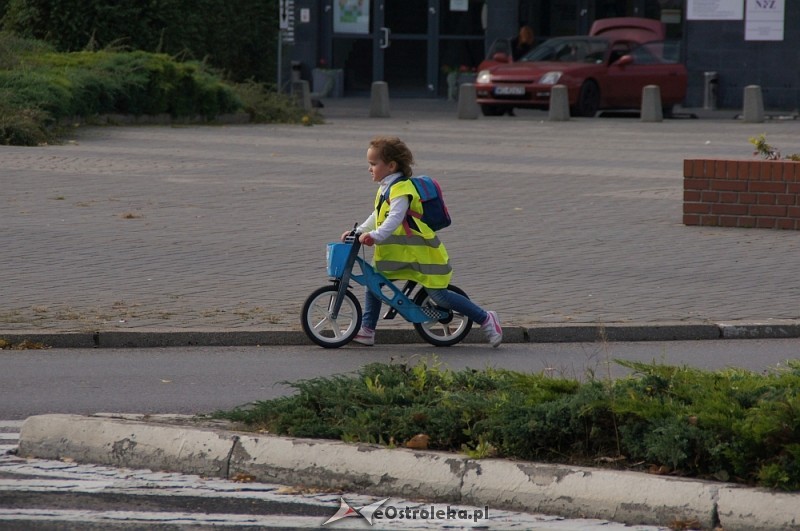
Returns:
(365, 336)
(492, 329)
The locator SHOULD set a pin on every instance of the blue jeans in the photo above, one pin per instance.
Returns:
(442, 297)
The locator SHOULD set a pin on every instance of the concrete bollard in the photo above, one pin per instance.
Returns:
(753, 104)
(651, 104)
(379, 101)
(559, 104)
(302, 94)
(467, 102)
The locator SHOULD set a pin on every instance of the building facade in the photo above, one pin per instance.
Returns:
(416, 45)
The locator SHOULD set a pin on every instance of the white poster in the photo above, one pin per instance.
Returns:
(351, 16)
(459, 5)
(714, 9)
(764, 20)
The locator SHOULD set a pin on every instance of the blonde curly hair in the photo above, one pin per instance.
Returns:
(392, 149)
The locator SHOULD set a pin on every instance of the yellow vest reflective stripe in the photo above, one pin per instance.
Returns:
(410, 254)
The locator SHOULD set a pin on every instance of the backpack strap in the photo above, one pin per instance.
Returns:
(409, 213)
(385, 195)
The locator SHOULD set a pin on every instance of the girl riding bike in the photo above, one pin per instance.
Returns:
(405, 247)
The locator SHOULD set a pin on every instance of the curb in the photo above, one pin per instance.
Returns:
(557, 333)
(159, 443)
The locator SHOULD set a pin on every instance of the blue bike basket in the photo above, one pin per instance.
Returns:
(337, 257)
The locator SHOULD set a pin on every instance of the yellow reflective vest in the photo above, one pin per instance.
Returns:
(413, 251)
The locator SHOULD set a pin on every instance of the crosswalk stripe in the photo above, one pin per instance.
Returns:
(278, 521)
(143, 488)
(172, 518)
(9, 435)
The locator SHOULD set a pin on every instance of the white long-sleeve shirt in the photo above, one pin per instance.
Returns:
(397, 213)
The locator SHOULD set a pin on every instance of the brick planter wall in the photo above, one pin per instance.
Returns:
(742, 193)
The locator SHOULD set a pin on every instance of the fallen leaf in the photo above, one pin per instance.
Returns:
(659, 470)
(418, 442)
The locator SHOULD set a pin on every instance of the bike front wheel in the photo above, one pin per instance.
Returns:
(321, 327)
(444, 332)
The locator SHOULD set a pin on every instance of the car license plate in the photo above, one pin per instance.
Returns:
(509, 91)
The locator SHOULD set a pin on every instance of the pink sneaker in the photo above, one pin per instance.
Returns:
(365, 336)
(492, 329)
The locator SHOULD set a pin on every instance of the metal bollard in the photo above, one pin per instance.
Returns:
(379, 100)
(651, 104)
(559, 104)
(302, 94)
(753, 104)
(467, 103)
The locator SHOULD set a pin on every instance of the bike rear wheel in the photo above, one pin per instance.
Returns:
(445, 332)
(321, 328)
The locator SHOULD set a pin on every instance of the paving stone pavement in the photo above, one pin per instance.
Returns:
(224, 227)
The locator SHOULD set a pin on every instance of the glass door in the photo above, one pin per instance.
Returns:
(402, 43)
(410, 44)
(351, 42)
(460, 43)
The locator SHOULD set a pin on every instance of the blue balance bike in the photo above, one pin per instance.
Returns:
(332, 314)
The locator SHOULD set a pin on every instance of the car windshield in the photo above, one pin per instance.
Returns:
(569, 51)
(499, 46)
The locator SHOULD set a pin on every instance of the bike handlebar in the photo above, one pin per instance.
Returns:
(353, 236)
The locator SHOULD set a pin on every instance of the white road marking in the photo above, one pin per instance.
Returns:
(41, 476)
(299, 522)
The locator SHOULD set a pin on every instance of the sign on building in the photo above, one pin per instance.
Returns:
(714, 10)
(764, 20)
(286, 20)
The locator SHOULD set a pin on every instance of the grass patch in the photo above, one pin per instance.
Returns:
(730, 425)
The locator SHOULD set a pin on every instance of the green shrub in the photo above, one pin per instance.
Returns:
(238, 37)
(42, 88)
(566, 426)
(21, 126)
(266, 106)
(730, 425)
(13, 47)
(135, 83)
(45, 91)
(725, 424)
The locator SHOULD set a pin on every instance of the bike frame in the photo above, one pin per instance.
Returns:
(375, 281)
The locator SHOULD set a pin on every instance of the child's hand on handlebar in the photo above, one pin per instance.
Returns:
(365, 238)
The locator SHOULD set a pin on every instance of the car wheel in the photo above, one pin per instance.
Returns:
(588, 99)
(491, 110)
(668, 111)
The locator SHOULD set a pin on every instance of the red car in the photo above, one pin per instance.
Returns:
(605, 70)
